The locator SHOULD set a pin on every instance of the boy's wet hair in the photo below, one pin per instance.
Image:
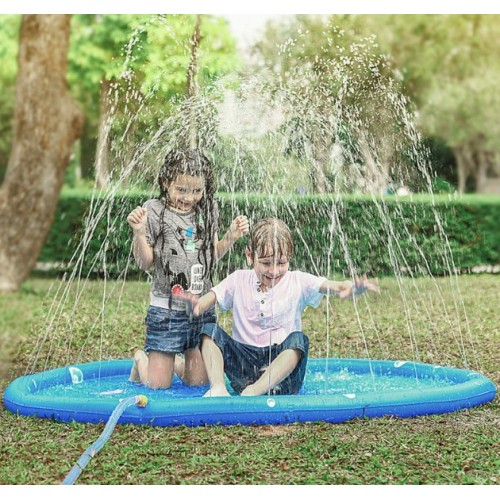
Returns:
(194, 162)
(270, 237)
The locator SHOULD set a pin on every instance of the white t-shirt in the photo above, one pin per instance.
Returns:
(264, 318)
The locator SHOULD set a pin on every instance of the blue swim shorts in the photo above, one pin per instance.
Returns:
(173, 331)
(244, 364)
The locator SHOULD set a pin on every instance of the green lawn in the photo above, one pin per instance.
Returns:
(444, 321)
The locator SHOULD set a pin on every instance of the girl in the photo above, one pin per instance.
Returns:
(177, 233)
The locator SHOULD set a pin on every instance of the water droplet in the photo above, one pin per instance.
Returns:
(399, 364)
(110, 393)
(350, 396)
(76, 375)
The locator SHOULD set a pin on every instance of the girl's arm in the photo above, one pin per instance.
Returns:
(345, 289)
(236, 230)
(143, 252)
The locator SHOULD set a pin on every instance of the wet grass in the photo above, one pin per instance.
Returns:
(443, 321)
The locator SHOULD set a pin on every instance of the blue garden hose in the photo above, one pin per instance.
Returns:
(92, 450)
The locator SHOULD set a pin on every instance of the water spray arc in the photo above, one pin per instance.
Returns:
(278, 141)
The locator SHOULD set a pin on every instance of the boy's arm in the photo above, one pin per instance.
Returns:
(345, 289)
(330, 287)
(194, 304)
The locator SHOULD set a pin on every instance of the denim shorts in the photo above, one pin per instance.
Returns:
(173, 331)
(244, 364)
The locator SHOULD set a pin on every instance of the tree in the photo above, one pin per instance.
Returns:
(349, 120)
(96, 59)
(135, 66)
(9, 29)
(46, 124)
(450, 65)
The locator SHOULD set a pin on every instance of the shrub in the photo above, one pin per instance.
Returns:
(418, 234)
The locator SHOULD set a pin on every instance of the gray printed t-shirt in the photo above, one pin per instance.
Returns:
(178, 255)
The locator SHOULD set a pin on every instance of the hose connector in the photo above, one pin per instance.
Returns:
(141, 400)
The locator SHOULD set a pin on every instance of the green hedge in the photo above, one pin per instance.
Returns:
(418, 234)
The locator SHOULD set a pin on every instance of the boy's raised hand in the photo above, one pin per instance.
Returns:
(137, 218)
(239, 226)
(189, 298)
(359, 287)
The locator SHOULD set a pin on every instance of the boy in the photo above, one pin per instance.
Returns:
(267, 352)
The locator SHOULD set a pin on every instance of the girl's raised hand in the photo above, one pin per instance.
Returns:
(137, 218)
(239, 226)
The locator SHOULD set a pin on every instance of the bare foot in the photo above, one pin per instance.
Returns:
(139, 357)
(216, 390)
(180, 366)
(134, 373)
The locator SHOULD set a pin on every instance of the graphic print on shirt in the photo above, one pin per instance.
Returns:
(196, 279)
(179, 248)
(186, 239)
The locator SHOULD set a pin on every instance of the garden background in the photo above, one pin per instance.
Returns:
(108, 84)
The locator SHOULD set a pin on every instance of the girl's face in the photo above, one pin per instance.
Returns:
(269, 269)
(185, 192)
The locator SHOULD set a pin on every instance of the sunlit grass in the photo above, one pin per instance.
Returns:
(453, 322)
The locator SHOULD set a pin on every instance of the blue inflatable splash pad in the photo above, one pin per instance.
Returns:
(335, 390)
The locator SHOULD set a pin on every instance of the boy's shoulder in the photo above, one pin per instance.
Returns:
(242, 273)
(239, 277)
(304, 278)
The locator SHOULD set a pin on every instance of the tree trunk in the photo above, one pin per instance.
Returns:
(481, 172)
(464, 160)
(103, 138)
(376, 176)
(320, 153)
(46, 124)
(191, 86)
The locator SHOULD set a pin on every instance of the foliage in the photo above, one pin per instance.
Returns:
(442, 160)
(450, 66)
(145, 59)
(459, 448)
(350, 114)
(417, 235)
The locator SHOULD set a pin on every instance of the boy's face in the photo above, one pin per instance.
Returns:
(270, 269)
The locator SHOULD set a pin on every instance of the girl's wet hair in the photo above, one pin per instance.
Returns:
(270, 237)
(193, 162)
(186, 162)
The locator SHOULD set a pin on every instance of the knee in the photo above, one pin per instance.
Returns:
(298, 341)
(207, 340)
(211, 332)
(209, 329)
(158, 383)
